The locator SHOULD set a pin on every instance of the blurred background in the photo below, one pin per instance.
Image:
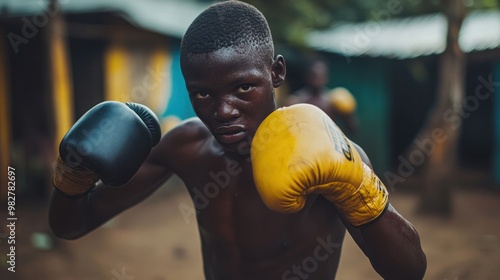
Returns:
(424, 73)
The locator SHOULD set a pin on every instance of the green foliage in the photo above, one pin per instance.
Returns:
(290, 20)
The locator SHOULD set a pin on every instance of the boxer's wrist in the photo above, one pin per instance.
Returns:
(72, 182)
(76, 196)
(366, 203)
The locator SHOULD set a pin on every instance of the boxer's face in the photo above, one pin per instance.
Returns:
(232, 91)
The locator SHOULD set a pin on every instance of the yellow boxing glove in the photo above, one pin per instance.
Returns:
(299, 150)
(342, 101)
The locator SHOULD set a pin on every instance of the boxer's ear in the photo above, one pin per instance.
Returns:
(278, 71)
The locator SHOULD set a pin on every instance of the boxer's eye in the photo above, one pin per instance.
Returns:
(201, 94)
(245, 88)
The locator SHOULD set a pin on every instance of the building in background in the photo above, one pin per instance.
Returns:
(59, 59)
(391, 66)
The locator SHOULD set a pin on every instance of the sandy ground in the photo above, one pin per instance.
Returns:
(153, 242)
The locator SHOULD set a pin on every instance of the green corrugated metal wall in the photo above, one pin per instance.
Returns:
(369, 82)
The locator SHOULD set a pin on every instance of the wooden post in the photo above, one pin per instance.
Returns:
(117, 72)
(442, 161)
(60, 77)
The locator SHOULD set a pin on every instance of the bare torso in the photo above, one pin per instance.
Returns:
(241, 238)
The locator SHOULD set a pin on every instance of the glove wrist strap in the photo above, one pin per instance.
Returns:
(73, 182)
(369, 201)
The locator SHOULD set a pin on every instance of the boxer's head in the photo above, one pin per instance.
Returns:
(228, 63)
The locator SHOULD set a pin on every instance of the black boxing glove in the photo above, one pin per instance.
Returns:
(109, 142)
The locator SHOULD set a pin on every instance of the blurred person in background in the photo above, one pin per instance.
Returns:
(338, 103)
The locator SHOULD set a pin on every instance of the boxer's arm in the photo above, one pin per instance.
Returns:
(299, 150)
(391, 243)
(71, 218)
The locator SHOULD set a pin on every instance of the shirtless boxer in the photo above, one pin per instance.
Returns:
(287, 219)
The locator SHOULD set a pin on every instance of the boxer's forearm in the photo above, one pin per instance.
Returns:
(72, 218)
(393, 246)
(69, 217)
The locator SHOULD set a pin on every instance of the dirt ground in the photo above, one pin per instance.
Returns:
(153, 242)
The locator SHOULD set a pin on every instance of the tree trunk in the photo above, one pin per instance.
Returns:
(440, 134)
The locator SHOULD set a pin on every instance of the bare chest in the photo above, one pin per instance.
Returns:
(241, 236)
(231, 214)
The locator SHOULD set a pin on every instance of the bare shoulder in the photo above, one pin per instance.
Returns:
(178, 144)
(191, 129)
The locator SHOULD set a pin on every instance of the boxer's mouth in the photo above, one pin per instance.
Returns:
(230, 134)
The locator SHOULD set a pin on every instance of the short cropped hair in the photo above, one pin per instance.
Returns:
(228, 24)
